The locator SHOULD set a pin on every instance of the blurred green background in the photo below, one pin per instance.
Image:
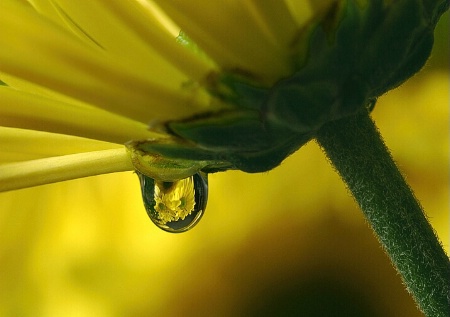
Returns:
(290, 242)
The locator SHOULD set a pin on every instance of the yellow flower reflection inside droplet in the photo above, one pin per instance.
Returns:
(174, 201)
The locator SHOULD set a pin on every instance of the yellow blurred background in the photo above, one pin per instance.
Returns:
(289, 242)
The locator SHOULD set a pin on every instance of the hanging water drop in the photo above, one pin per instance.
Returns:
(175, 206)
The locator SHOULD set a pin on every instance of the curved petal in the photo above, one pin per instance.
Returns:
(21, 144)
(61, 168)
(144, 22)
(231, 33)
(61, 62)
(275, 19)
(100, 24)
(135, 30)
(29, 111)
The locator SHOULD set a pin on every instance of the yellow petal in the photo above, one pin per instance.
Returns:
(274, 19)
(40, 52)
(20, 144)
(144, 22)
(232, 35)
(137, 30)
(102, 24)
(48, 9)
(25, 110)
(61, 168)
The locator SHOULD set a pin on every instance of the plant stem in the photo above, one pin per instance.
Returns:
(357, 151)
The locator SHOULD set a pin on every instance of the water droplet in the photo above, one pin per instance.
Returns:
(175, 206)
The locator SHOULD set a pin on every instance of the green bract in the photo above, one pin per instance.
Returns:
(343, 60)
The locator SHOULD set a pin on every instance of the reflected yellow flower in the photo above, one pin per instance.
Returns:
(174, 201)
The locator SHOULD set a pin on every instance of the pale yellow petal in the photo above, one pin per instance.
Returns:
(10, 157)
(275, 19)
(38, 51)
(62, 168)
(228, 32)
(102, 23)
(133, 30)
(25, 110)
(21, 144)
(48, 9)
(35, 89)
(144, 22)
(162, 18)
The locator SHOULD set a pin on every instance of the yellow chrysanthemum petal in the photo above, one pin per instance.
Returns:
(132, 30)
(161, 17)
(60, 168)
(31, 144)
(25, 110)
(275, 20)
(48, 9)
(104, 24)
(35, 89)
(230, 33)
(100, 23)
(68, 66)
(145, 25)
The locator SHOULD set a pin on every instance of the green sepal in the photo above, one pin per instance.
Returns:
(398, 45)
(344, 59)
(228, 130)
(247, 140)
(357, 53)
(166, 160)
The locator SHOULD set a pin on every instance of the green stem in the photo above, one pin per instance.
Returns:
(356, 149)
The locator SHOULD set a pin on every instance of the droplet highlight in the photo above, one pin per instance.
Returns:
(175, 206)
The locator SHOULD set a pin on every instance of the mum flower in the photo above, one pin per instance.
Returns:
(105, 86)
(91, 76)
(259, 82)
